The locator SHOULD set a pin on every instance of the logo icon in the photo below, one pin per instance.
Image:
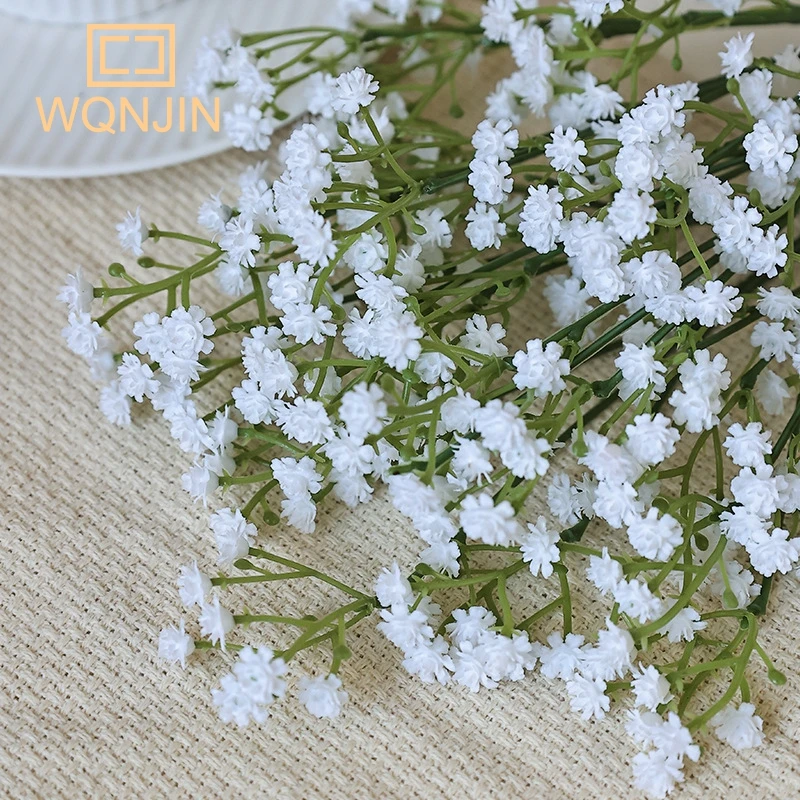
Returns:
(154, 47)
(130, 56)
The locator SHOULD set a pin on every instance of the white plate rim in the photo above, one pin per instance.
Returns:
(243, 15)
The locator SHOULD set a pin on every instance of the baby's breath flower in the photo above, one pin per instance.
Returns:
(174, 644)
(254, 683)
(739, 727)
(353, 90)
(737, 55)
(373, 325)
(193, 585)
(132, 232)
(215, 622)
(540, 367)
(323, 696)
(539, 548)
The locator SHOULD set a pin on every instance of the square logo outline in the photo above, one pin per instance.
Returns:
(167, 36)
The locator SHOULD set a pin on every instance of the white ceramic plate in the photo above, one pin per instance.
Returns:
(50, 60)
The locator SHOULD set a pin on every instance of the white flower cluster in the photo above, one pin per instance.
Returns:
(222, 60)
(491, 183)
(473, 655)
(759, 493)
(364, 331)
(246, 692)
(476, 654)
(257, 678)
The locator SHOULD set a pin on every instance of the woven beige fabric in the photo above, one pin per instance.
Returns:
(95, 525)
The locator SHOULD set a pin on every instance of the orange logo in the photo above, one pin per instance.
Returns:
(129, 56)
(155, 55)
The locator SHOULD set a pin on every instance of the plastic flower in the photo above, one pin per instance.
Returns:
(539, 548)
(353, 90)
(132, 232)
(739, 727)
(323, 696)
(215, 622)
(371, 291)
(174, 644)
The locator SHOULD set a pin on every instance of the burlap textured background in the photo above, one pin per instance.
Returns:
(95, 524)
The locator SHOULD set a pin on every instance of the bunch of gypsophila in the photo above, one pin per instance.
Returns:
(364, 292)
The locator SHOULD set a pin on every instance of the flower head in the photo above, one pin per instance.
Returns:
(739, 727)
(215, 622)
(353, 90)
(322, 696)
(132, 232)
(174, 644)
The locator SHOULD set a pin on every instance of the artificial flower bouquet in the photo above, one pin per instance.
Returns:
(373, 282)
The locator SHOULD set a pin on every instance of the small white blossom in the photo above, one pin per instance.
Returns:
(322, 696)
(353, 90)
(565, 150)
(650, 688)
(233, 533)
(77, 293)
(772, 392)
(193, 585)
(540, 548)
(540, 367)
(136, 379)
(215, 622)
(588, 697)
(540, 219)
(636, 600)
(770, 148)
(174, 644)
(604, 572)
(491, 180)
(404, 628)
(484, 228)
(481, 519)
(132, 232)
(640, 369)
(747, 445)
(738, 55)
(655, 537)
(561, 657)
(657, 773)
(651, 440)
(430, 661)
(484, 338)
(611, 657)
(739, 727)
(470, 625)
(248, 127)
(682, 626)
(115, 404)
(773, 552)
(392, 588)
(254, 683)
